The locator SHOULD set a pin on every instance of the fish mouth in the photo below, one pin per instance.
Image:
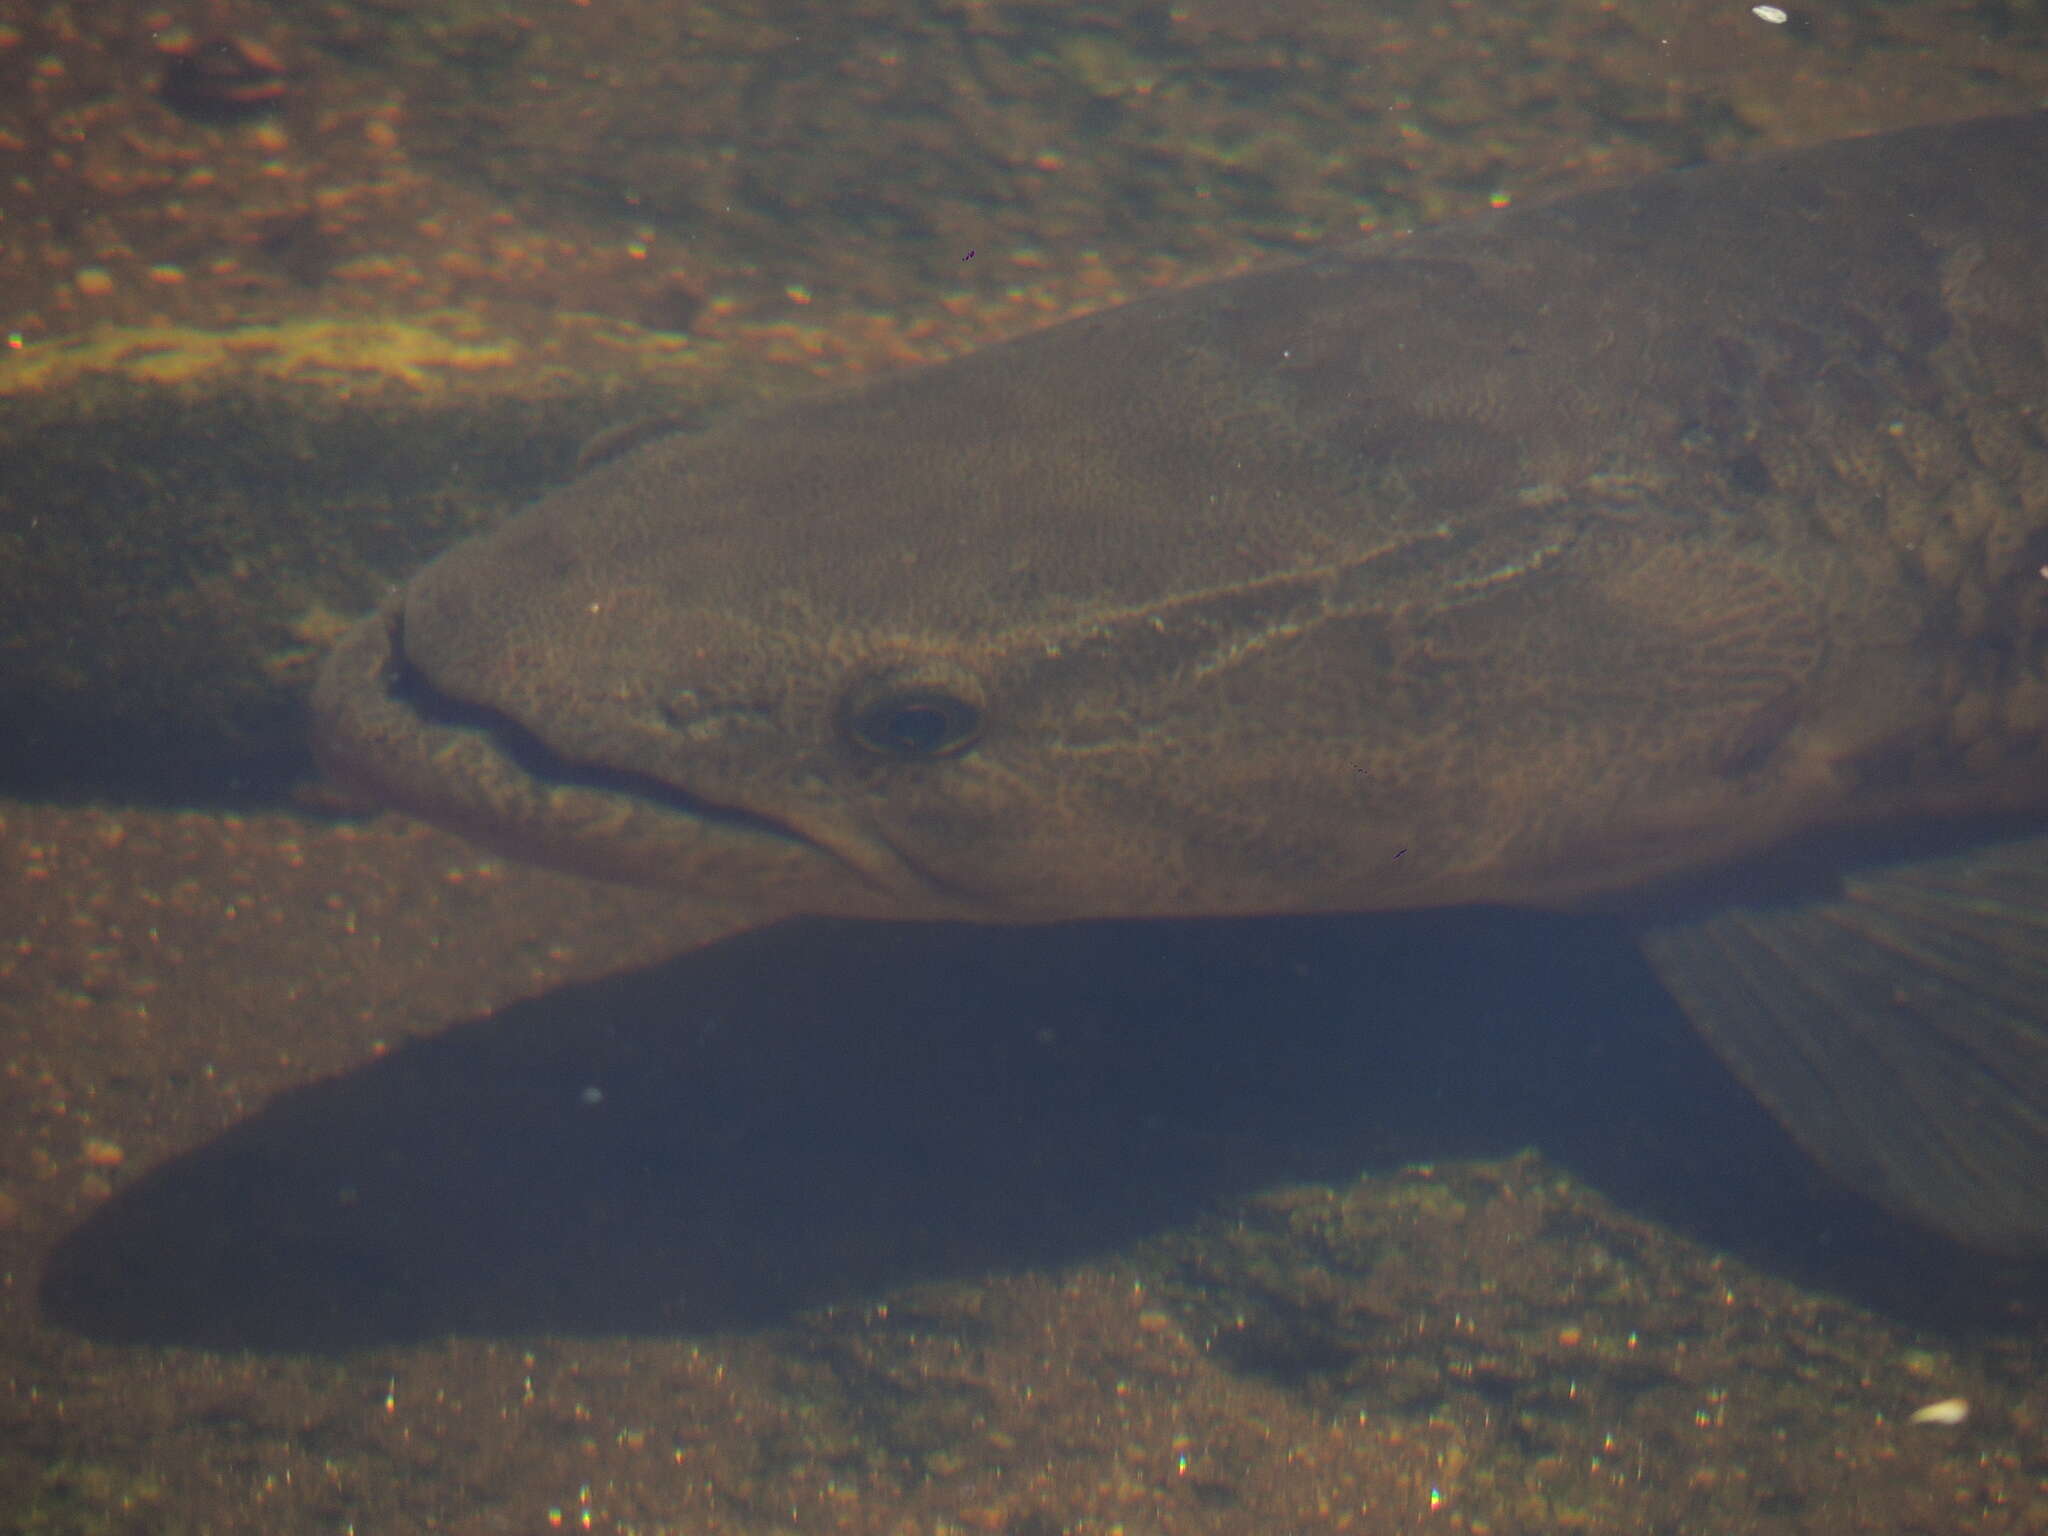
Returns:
(382, 726)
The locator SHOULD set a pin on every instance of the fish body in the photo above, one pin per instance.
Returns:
(1540, 559)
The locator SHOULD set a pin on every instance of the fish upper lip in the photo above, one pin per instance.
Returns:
(386, 725)
(409, 686)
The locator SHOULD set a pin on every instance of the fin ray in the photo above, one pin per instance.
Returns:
(1898, 1028)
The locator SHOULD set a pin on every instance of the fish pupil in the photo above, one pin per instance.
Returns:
(918, 725)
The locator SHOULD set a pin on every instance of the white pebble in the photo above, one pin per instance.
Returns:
(1950, 1410)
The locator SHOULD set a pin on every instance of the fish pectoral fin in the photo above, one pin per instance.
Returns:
(1898, 1029)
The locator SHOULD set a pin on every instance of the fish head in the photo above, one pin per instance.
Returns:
(1100, 623)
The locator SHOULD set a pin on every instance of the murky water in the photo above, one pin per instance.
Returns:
(352, 1179)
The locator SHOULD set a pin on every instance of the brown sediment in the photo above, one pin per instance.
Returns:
(1478, 1347)
(811, 174)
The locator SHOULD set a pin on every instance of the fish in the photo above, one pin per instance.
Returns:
(1678, 549)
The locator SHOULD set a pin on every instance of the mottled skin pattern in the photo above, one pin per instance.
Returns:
(1523, 560)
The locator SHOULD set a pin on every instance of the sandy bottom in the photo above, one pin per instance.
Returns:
(337, 1196)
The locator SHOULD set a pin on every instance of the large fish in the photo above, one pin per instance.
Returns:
(1543, 559)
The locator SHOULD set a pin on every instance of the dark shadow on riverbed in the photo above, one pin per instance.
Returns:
(822, 1110)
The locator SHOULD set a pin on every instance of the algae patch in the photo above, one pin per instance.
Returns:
(422, 354)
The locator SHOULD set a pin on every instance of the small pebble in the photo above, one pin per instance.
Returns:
(1950, 1410)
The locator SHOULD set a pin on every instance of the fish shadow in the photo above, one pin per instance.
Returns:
(824, 1110)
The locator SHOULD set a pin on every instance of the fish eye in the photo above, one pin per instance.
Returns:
(916, 724)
